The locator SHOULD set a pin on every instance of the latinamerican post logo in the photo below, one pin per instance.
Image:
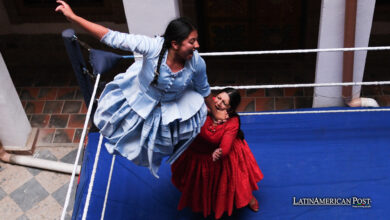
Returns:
(355, 202)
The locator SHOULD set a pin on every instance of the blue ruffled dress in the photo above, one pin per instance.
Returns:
(146, 123)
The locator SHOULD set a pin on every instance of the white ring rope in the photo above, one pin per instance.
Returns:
(235, 53)
(92, 180)
(217, 88)
(304, 85)
(80, 147)
(262, 52)
(108, 186)
(315, 111)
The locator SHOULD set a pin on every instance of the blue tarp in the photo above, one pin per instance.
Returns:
(333, 157)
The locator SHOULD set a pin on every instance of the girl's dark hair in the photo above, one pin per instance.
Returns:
(177, 30)
(235, 99)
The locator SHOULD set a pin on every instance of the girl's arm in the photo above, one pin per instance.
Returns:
(202, 86)
(229, 136)
(94, 29)
(227, 140)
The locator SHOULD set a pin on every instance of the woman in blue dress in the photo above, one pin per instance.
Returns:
(157, 107)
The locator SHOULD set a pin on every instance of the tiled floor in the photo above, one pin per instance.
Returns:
(29, 193)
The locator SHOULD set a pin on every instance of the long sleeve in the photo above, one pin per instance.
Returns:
(200, 81)
(229, 135)
(141, 44)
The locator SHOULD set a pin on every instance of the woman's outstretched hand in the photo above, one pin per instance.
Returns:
(94, 29)
(65, 9)
(217, 154)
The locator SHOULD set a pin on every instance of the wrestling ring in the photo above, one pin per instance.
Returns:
(318, 163)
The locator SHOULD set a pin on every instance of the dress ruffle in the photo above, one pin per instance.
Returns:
(219, 186)
(145, 139)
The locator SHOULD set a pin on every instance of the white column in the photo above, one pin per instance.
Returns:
(150, 17)
(329, 67)
(14, 125)
(365, 14)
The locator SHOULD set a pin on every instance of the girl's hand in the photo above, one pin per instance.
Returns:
(217, 154)
(65, 9)
(221, 116)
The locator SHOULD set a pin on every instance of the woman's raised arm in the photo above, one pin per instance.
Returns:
(94, 29)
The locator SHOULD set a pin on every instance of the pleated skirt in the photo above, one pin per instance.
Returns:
(144, 141)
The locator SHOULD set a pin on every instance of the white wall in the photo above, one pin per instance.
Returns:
(329, 67)
(150, 17)
(14, 125)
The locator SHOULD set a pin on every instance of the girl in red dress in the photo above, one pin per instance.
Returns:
(218, 171)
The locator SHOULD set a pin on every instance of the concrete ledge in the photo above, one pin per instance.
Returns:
(29, 148)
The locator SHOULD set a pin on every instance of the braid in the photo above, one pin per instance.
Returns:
(157, 71)
(177, 30)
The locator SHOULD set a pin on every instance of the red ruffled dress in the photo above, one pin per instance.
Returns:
(218, 186)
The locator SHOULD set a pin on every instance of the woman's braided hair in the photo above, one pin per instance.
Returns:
(177, 30)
